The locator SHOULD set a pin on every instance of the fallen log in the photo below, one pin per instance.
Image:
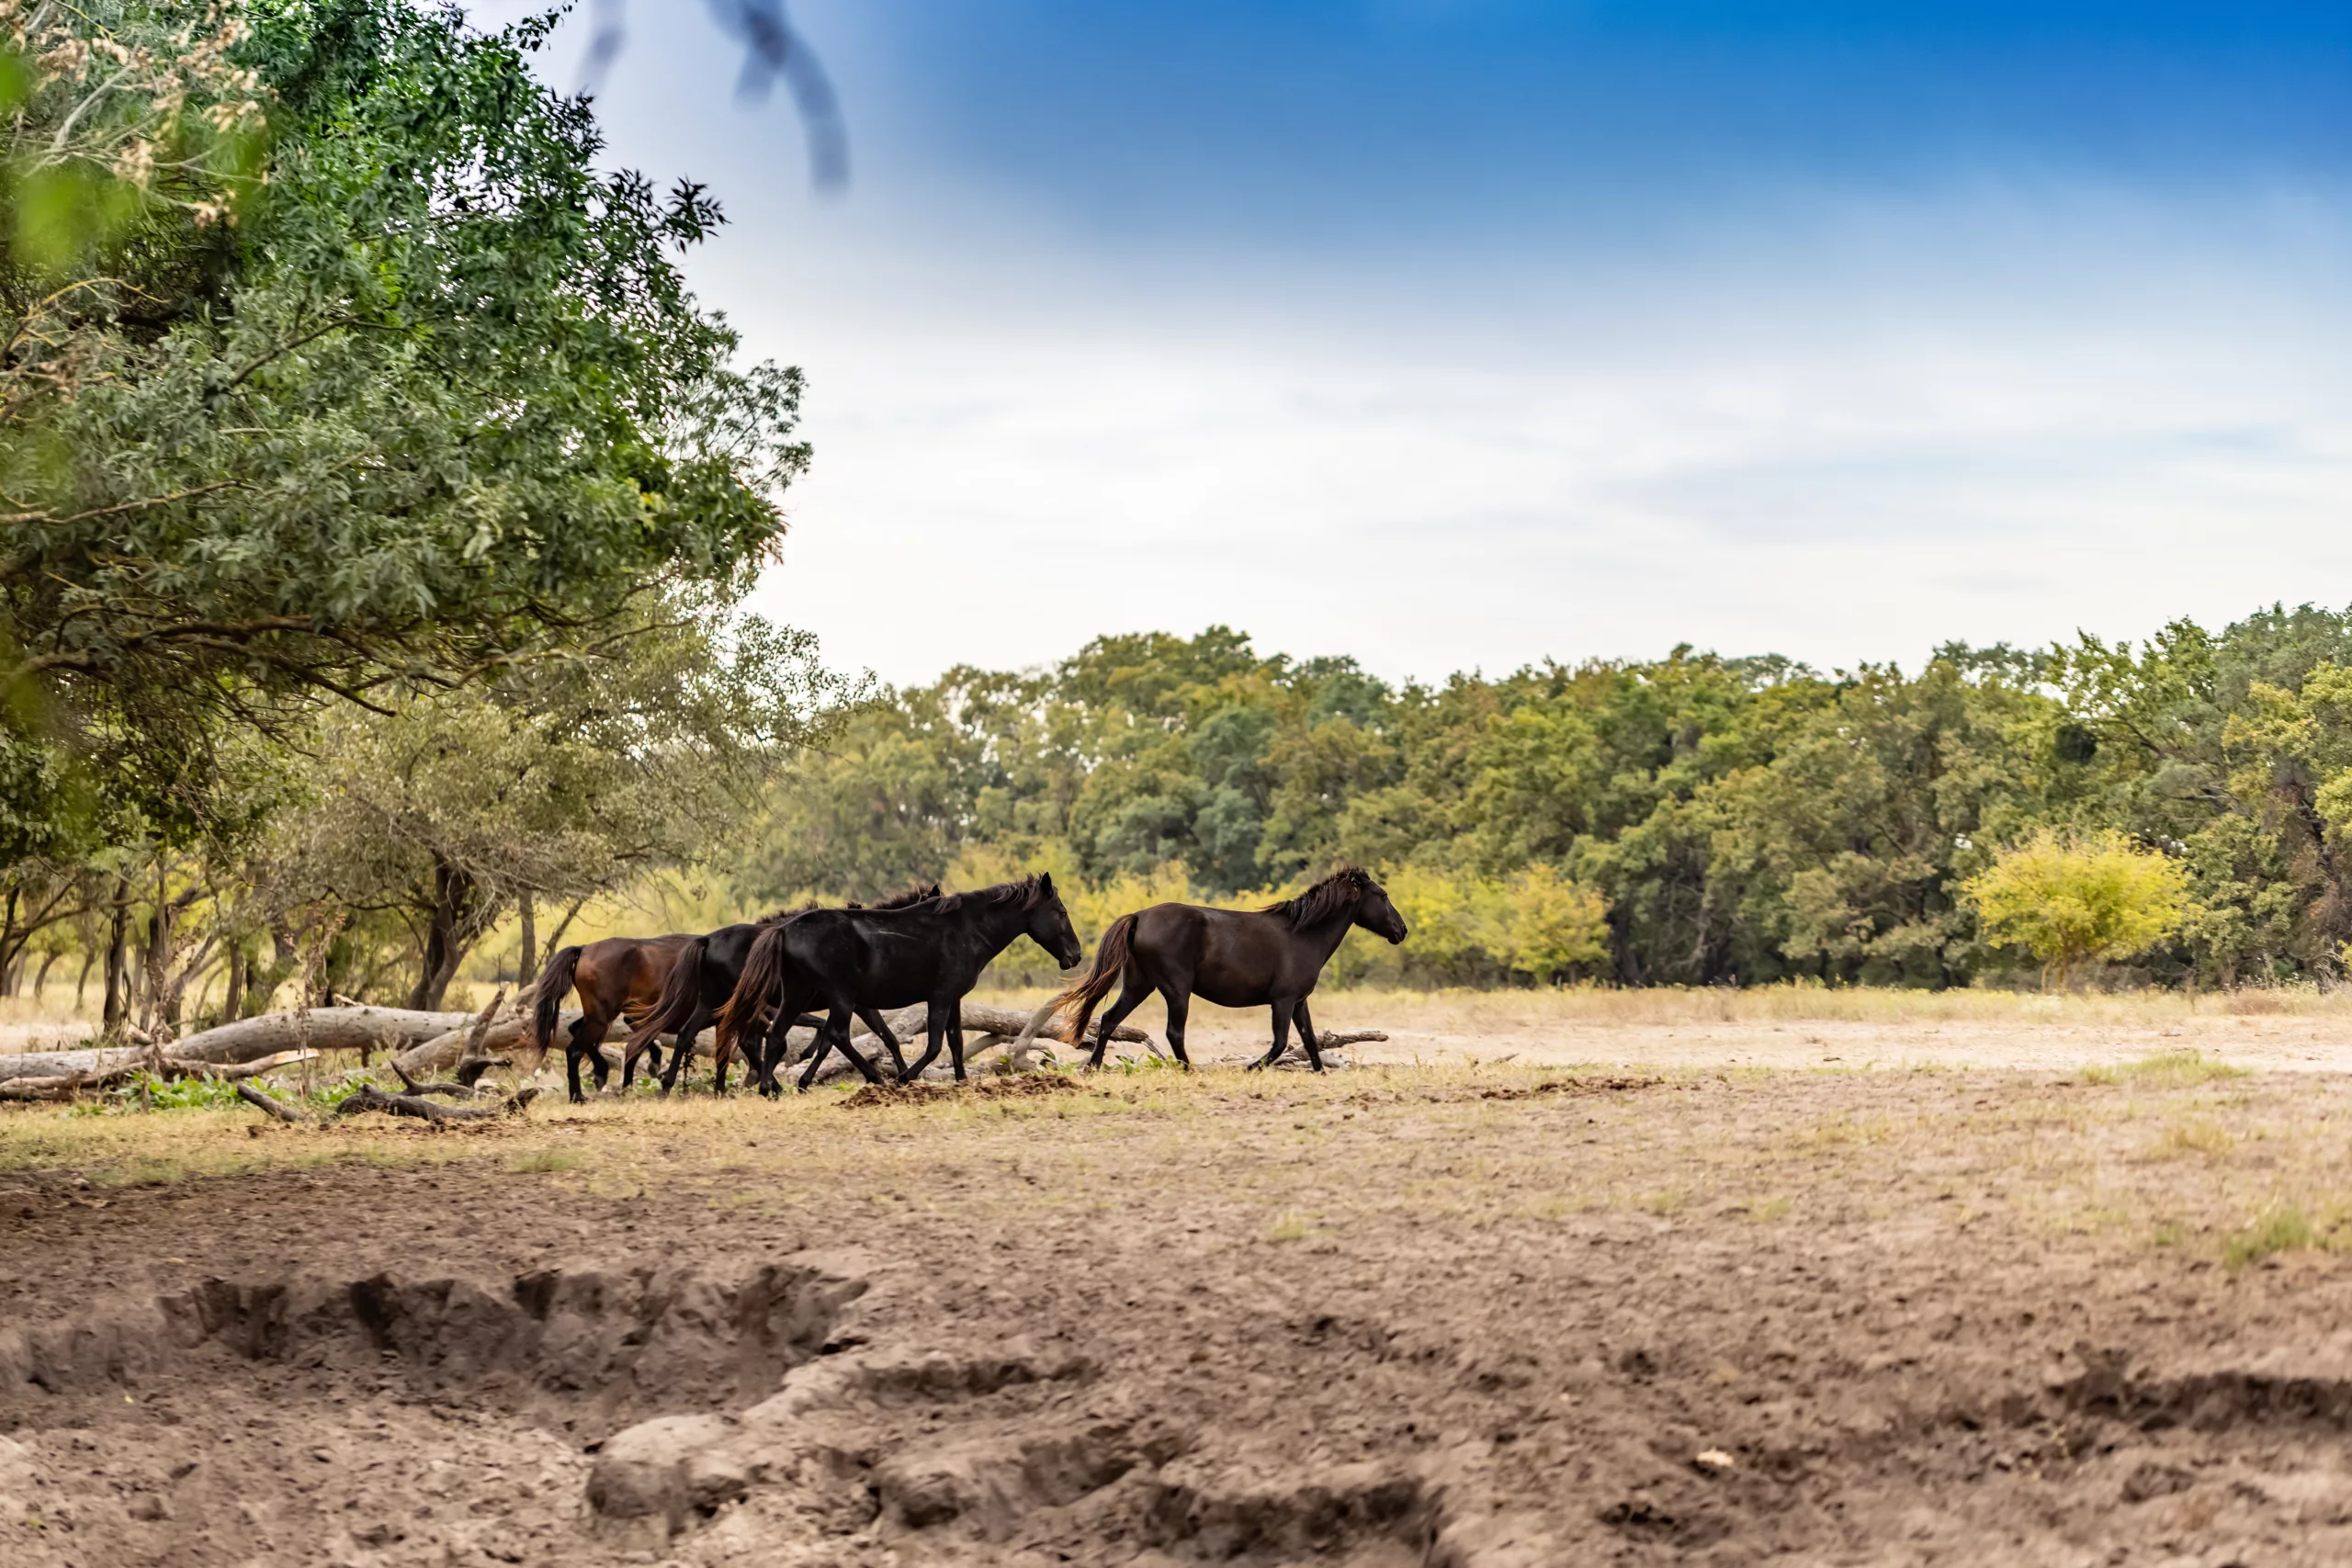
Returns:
(88, 1066)
(114, 1066)
(322, 1028)
(410, 1086)
(60, 1085)
(275, 1109)
(235, 1071)
(1295, 1055)
(370, 1097)
(247, 1039)
(506, 1037)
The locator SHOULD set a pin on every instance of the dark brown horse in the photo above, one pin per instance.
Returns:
(621, 977)
(704, 976)
(1270, 957)
(842, 961)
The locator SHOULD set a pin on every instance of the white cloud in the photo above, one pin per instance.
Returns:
(1835, 424)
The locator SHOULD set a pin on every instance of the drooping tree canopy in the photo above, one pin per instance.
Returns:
(332, 367)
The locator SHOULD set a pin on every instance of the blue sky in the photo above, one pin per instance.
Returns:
(1458, 333)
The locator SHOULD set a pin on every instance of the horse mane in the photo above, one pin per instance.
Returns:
(1027, 892)
(1339, 890)
(914, 893)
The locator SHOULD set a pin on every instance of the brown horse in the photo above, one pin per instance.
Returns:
(1270, 957)
(621, 977)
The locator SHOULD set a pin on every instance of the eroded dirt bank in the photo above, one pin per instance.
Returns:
(1397, 1318)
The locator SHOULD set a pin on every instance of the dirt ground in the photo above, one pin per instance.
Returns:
(1498, 1315)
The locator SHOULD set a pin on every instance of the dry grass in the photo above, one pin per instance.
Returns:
(27, 1025)
(1474, 1012)
(2162, 1157)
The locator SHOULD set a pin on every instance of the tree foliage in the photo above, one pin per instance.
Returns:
(344, 373)
(1693, 820)
(377, 500)
(2068, 900)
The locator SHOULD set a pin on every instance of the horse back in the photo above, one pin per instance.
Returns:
(626, 974)
(872, 958)
(1231, 957)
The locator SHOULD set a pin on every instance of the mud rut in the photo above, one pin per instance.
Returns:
(472, 1366)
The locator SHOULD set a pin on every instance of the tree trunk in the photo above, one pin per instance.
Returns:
(232, 1001)
(81, 981)
(175, 1000)
(555, 937)
(40, 976)
(454, 927)
(285, 963)
(118, 942)
(526, 967)
(11, 945)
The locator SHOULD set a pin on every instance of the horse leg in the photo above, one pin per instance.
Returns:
(772, 1048)
(722, 1051)
(839, 1023)
(816, 1057)
(1131, 996)
(834, 1036)
(955, 1036)
(651, 1050)
(934, 1024)
(1306, 1037)
(680, 1054)
(875, 1021)
(1282, 1036)
(1179, 1004)
(586, 1036)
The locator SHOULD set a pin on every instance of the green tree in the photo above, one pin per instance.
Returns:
(558, 780)
(393, 389)
(2072, 899)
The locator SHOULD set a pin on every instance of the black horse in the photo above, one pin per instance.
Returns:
(703, 977)
(844, 961)
(1235, 958)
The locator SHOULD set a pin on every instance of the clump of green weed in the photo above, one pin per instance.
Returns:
(2282, 1227)
(1290, 1227)
(2206, 1139)
(2165, 1070)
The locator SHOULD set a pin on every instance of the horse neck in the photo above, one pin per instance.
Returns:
(990, 929)
(1324, 936)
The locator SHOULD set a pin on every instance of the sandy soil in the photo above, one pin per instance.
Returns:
(1787, 1028)
(1496, 1316)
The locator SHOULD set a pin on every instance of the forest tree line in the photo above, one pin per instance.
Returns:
(1690, 821)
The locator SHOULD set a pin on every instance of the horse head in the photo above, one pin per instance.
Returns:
(1048, 925)
(1374, 912)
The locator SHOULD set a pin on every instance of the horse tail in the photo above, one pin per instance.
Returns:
(554, 980)
(762, 970)
(1077, 1003)
(679, 992)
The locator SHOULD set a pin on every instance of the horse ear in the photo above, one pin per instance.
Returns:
(1046, 884)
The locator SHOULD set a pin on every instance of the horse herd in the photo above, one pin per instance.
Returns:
(819, 967)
